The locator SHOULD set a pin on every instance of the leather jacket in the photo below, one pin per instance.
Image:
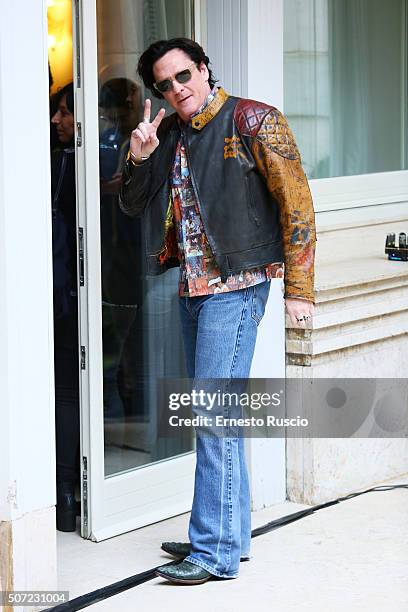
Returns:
(253, 195)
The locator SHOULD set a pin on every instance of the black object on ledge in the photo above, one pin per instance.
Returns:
(397, 252)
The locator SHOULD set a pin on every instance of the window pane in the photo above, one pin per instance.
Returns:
(141, 335)
(345, 84)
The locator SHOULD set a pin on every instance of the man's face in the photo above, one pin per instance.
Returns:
(64, 121)
(185, 98)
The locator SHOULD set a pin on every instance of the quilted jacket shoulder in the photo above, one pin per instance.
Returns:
(249, 114)
(267, 124)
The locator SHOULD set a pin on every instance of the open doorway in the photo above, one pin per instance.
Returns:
(65, 293)
(116, 329)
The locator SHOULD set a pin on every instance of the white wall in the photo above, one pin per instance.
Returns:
(244, 41)
(27, 455)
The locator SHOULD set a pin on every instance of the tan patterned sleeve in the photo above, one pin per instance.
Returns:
(278, 159)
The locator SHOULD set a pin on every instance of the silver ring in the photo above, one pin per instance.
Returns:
(304, 318)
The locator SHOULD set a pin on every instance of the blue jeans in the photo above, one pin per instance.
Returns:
(219, 333)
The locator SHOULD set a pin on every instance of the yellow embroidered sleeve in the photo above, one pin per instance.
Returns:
(278, 159)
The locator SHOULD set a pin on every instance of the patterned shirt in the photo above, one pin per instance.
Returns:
(199, 273)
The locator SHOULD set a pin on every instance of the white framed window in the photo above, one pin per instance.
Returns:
(345, 97)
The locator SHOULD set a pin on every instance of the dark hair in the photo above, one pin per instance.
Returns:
(68, 90)
(160, 48)
(114, 92)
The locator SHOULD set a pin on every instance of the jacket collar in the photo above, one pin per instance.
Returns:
(201, 120)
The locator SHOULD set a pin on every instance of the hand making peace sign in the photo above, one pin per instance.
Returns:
(144, 139)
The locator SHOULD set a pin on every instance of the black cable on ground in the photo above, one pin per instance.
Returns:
(290, 518)
(128, 583)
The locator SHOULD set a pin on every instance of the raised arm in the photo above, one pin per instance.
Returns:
(137, 171)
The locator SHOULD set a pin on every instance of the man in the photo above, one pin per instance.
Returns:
(230, 166)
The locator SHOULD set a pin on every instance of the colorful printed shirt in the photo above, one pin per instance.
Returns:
(199, 273)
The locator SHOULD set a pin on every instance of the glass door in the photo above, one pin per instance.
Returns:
(130, 336)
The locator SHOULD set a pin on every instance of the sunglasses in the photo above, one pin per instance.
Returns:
(183, 76)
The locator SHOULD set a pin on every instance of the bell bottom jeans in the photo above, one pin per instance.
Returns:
(219, 333)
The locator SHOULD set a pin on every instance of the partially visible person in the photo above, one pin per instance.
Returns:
(120, 108)
(65, 308)
(54, 142)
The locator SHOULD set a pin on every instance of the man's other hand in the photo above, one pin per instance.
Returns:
(299, 311)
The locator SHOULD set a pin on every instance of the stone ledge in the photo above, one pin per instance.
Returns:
(351, 314)
(361, 306)
(353, 257)
(336, 289)
(348, 334)
(359, 329)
